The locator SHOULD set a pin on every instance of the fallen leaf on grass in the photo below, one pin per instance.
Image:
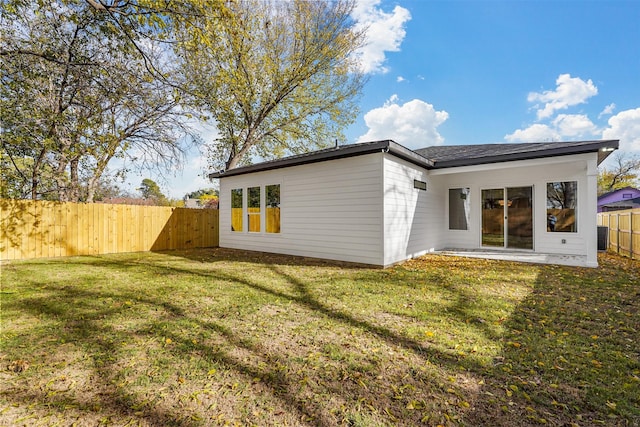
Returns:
(18, 366)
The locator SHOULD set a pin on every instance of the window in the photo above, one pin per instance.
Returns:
(272, 213)
(459, 208)
(253, 211)
(236, 209)
(562, 200)
(420, 185)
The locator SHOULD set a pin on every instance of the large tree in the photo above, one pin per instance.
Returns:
(139, 21)
(151, 190)
(623, 171)
(75, 95)
(276, 77)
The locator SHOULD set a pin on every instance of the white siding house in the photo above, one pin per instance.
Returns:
(380, 203)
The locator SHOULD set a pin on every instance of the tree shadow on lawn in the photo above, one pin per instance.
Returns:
(217, 254)
(87, 322)
(571, 353)
(81, 329)
(352, 387)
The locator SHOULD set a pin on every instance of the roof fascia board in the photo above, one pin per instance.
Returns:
(409, 155)
(321, 156)
(331, 154)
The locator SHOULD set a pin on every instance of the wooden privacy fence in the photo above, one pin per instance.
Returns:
(624, 231)
(37, 229)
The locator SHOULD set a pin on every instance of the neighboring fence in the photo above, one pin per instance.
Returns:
(624, 231)
(37, 229)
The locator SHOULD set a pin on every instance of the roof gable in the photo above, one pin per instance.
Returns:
(620, 190)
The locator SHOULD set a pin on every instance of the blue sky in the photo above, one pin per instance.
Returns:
(474, 72)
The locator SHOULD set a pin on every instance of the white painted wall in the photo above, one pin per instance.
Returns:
(412, 217)
(537, 173)
(330, 210)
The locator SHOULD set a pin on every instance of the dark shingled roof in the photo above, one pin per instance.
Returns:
(622, 204)
(467, 155)
(438, 157)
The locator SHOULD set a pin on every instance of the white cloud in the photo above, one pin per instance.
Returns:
(569, 91)
(400, 79)
(534, 133)
(413, 124)
(393, 99)
(607, 110)
(625, 126)
(573, 125)
(564, 126)
(385, 33)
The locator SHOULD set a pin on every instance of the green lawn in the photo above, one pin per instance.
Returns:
(222, 337)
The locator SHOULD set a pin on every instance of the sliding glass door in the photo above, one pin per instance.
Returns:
(507, 217)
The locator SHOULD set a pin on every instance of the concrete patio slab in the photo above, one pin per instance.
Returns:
(519, 256)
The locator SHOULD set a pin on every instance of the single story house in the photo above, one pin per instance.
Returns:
(381, 203)
(624, 198)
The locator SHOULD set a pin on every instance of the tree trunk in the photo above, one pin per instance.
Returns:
(232, 163)
(37, 164)
(62, 185)
(91, 189)
(74, 186)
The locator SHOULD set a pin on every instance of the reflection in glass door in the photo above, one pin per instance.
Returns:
(517, 231)
(520, 217)
(493, 217)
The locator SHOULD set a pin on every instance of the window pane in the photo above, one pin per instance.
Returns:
(253, 198)
(236, 209)
(273, 208)
(253, 211)
(459, 208)
(562, 200)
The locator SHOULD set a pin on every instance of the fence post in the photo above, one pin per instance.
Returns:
(631, 233)
(618, 232)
